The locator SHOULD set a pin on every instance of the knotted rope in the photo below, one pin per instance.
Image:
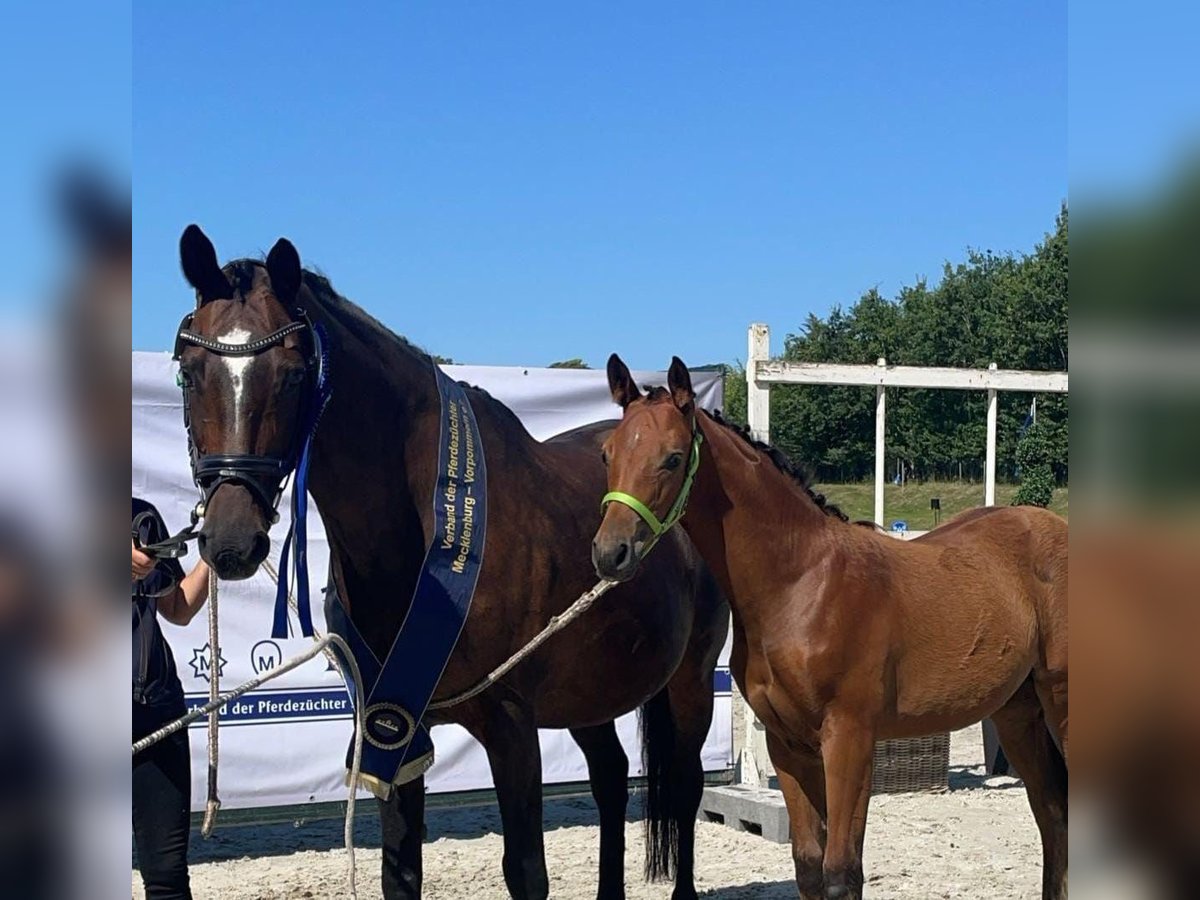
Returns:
(321, 644)
(214, 691)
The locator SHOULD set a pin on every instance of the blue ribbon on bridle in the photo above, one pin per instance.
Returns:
(297, 534)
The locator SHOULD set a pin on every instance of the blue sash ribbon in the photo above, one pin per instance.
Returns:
(397, 746)
(297, 534)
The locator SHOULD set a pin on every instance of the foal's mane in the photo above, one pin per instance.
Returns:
(774, 454)
(361, 324)
(783, 464)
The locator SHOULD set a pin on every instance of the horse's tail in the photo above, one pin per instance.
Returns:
(658, 749)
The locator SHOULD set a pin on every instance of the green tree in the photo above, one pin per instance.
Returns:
(575, 363)
(1033, 458)
(1010, 309)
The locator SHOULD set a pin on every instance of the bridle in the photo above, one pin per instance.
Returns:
(678, 508)
(263, 475)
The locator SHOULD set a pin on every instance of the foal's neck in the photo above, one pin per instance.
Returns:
(755, 527)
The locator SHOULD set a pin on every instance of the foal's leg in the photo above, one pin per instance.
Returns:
(847, 748)
(802, 780)
(608, 772)
(1034, 755)
(402, 817)
(509, 735)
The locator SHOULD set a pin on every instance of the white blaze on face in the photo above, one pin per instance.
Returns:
(238, 368)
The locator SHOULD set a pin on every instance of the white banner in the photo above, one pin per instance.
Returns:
(286, 743)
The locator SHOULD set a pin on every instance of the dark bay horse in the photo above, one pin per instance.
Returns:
(844, 635)
(372, 469)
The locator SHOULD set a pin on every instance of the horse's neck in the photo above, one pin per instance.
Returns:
(750, 526)
(375, 461)
(368, 484)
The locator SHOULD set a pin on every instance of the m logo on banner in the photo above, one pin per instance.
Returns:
(200, 663)
(265, 656)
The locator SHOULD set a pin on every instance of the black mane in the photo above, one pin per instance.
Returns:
(374, 333)
(783, 464)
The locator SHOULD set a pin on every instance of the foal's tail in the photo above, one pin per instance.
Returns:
(658, 750)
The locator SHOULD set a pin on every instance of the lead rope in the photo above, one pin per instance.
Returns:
(321, 644)
(216, 701)
(557, 623)
(214, 691)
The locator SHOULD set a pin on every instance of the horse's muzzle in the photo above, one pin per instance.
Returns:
(616, 560)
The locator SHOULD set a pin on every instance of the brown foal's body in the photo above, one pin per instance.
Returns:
(844, 635)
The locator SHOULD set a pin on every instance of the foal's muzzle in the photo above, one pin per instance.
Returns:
(617, 559)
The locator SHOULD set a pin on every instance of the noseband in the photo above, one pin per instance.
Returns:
(262, 474)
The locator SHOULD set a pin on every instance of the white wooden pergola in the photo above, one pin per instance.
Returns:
(762, 372)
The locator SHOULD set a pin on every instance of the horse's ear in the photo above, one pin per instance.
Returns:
(679, 380)
(200, 267)
(621, 383)
(283, 265)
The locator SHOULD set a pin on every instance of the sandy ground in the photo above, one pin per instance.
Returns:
(977, 840)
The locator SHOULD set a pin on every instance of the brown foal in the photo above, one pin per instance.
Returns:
(844, 635)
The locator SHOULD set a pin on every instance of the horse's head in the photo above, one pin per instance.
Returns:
(247, 366)
(651, 457)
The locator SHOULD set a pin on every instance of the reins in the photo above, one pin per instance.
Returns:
(172, 547)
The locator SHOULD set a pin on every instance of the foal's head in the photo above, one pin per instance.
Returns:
(648, 458)
(245, 409)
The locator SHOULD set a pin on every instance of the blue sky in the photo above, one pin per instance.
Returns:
(520, 185)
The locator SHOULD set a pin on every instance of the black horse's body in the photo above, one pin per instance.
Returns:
(652, 643)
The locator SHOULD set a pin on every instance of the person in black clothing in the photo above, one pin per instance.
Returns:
(161, 773)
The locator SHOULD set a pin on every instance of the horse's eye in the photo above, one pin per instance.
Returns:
(672, 462)
(294, 376)
(604, 457)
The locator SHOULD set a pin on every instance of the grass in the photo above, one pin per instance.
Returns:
(910, 502)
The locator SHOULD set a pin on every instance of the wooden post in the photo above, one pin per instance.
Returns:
(758, 397)
(753, 764)
(880, 431)
(989, 482)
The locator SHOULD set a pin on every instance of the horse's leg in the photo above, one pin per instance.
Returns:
(1050, 680)
(802, 780)
(1034, 755)
(690, 693)
(847, 748)
(508, 733)
(401, 818)
(608, 771)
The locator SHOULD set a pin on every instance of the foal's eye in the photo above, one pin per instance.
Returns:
(672, 462)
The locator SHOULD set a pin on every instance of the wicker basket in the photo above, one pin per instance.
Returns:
(911, 764)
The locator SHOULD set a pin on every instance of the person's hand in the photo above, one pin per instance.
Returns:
(143, 565)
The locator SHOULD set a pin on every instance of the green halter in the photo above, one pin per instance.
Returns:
(677, 508)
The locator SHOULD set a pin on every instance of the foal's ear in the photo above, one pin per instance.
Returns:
(621, 383)
(679, 380)
(283, 265)
(200, 267)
